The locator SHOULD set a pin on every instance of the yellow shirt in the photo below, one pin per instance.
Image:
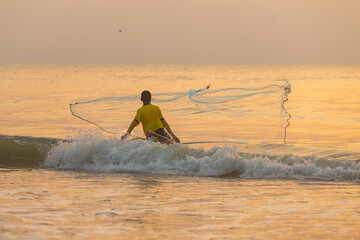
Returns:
(150, 117)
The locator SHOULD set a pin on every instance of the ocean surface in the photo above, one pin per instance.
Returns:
(267, 152)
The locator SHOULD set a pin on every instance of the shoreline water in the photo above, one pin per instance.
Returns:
(43, 203)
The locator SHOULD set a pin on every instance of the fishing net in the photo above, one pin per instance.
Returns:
(217, 115)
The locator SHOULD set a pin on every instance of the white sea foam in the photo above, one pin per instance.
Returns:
(93, 152)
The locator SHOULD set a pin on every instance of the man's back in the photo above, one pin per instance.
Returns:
(150, 116)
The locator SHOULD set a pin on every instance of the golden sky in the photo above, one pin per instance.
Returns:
(180, 31)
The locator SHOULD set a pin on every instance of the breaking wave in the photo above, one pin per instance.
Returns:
(92, 152)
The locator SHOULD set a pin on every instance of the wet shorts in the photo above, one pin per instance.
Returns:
(160, 131)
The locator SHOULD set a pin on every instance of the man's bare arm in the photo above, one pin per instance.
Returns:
(167, 127)
(133, 124)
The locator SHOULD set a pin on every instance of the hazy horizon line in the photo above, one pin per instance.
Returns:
(162, 63)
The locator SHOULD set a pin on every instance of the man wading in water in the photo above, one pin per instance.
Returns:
(152, 121)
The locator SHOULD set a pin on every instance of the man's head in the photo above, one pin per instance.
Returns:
(146, 96)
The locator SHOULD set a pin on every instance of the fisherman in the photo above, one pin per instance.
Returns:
(152, 121)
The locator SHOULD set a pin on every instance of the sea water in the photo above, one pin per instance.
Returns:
(256, 162)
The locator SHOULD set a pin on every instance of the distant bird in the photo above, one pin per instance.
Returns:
(120, 30)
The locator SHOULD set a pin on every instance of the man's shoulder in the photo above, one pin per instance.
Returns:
(152, 106)
(155, 106)
(148, 106)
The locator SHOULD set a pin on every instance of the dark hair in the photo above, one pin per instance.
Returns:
(146, 96)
